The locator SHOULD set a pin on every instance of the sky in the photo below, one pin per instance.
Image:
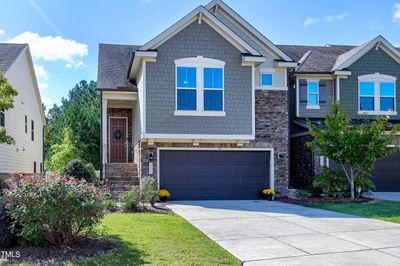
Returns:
(64, 34)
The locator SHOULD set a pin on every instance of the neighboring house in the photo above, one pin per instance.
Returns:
(202, 107)
(25, 121)
(365, 79)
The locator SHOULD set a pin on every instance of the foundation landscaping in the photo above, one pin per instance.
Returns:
(61, 219)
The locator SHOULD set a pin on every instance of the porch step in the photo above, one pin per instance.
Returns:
(120, 177)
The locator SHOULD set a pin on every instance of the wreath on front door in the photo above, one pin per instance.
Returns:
(117, 133)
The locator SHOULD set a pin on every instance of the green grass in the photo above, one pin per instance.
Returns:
(382, 210)
(159, 239)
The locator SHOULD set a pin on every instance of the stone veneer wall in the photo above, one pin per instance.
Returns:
(121, 112)
(271, 132)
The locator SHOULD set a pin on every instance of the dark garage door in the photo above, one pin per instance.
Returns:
(196, 175)
(387, 174)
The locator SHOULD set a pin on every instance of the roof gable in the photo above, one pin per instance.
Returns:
(201, 14)
(347, 59)
(252, 32)
(9, 52)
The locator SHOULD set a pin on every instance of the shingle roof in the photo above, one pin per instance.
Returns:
(113, 66)
(9, 52)
(320, 58)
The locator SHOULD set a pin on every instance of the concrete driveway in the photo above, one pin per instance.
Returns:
(275, 233)
(393, 196)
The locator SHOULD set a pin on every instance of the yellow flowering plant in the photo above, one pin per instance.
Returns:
(268, 192)
(163, 193)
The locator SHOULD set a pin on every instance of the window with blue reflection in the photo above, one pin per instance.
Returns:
(366, 88)
(213, 100)
(186, 77)
(367, 101)
(213, 85)
(266, 79)
(186, 99)
(387, 104)
(213, 78)
(387, 93)
(312, 93)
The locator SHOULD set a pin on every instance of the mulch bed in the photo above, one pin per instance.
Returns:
(89, 247)
(322, 200)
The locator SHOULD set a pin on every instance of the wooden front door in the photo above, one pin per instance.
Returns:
(118, 140)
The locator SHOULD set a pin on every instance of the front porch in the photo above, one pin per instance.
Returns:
(119, 172)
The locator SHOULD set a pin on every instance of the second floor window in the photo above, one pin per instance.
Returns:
(2, 119)
(199, 87)
(312, 93)
(377, 94)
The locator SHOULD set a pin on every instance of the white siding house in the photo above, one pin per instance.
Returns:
(26, 120)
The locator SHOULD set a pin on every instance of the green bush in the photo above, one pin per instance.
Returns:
(332, 183)
(148, 190)
(130, 200)
(365, 184)
(93, 178)
(54, 210)
(302, 194)
(110, 205)
(80, 170)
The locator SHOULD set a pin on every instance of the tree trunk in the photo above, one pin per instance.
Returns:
(352, 187)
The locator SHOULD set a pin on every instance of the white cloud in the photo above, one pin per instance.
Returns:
(328, 19)
(41, 72)
(309, 21)
(53, 48)
(2, 32)
(43, 86)
(74, 65)
(396, 12)
(333, 18)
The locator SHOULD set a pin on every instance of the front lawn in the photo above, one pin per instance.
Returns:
(159, 239)
(382, 210)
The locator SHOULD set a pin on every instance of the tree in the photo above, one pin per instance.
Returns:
(7, 94)
(355, 147)
(63, 153)
(80, 113)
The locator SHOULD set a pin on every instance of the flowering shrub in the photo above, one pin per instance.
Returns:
(55, 210)
(268, 192)
(164, 193)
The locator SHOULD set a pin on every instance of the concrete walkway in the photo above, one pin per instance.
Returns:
(275, 233)
(393, 196)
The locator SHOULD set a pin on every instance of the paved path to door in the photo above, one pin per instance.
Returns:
(275, 233)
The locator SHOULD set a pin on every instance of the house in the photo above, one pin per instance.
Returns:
(364, 79)
(26, 120)
(202, 107)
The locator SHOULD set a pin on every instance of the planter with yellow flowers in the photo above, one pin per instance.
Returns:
(268, 194)
(164, 194)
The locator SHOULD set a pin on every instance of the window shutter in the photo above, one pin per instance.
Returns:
(303, 91)
(322, 91)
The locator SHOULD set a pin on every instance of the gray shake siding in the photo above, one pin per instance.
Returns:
(324, 107)
(198, 39)
(375, 61)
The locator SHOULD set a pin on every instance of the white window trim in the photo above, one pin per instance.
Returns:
(199, 63)
(377, 78)
(313, 106)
